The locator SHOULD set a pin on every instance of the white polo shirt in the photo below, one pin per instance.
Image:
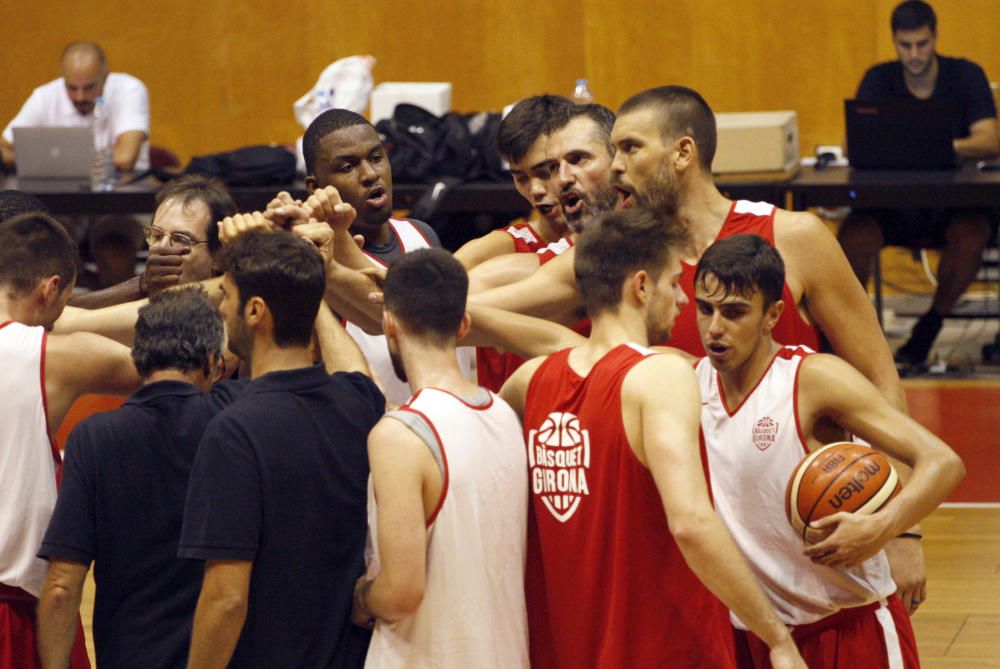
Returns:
(125, 97)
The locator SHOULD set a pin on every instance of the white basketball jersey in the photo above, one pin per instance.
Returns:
(27, 457)
(373, 347)
(473, 612)
(752, 451)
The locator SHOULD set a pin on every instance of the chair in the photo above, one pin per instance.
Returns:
(162, 158)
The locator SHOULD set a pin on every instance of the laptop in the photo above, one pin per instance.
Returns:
(900, 134)
(53, 157)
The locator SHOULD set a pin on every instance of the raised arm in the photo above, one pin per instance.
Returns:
(664, 436)
(835, 300)
(84, 363)
(549, 293)
(116, 322)
(525, 336)
(481, 249)
(340, 352)
(502, 270)
(829, 387)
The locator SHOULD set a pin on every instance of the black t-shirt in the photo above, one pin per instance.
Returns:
(392, 249)
(959, 80)
(280, 479)
(121, 504)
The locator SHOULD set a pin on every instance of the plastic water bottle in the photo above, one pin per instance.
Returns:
(581, 93)
(102, 171)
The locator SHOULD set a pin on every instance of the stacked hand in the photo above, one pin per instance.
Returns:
(163, 269)
(284, 211)
(325, 205)
(232, 227)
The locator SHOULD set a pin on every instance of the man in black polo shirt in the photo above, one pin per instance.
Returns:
(962, 234)
(276, 505)
(122, 497)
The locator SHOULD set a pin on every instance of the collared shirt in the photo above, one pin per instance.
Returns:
(121, 504)
(280, 480)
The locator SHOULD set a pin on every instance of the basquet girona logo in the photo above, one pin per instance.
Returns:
(764, 433)
(559, 457)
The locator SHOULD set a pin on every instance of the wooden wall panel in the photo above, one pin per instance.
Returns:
(224, 74)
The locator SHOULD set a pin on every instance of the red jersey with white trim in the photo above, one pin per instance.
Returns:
(492, 367)
(558, 247)
(606, 584)
(526, 240)
(744, 217)
(752, 451)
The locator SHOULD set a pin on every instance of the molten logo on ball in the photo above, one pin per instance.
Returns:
(559, 457)
(856, 485)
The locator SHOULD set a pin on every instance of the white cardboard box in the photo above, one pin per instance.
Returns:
(435, 97)
(756, 142)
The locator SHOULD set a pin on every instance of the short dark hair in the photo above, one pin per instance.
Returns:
(14, 203)
(603, 117)
(683, 112)
(283, 270)
(913, 14)
(621, 242)
(530, 119)
(742, 264)
(178, 329)
(210, 191)
(33, 247)
(427, 290)
(329, 121)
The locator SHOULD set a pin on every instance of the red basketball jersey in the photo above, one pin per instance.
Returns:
(791, 330)
(606, 584)
(493, 368)
(526, 240)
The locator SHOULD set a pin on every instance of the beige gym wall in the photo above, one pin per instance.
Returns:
(225, 74)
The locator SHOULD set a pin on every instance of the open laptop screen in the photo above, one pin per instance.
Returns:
(54, 152)
(900, 133)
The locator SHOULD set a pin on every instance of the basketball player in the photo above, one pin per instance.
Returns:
(765, 407)
(447, 504)
(665, 141)
(576, 155)
(521, 141)
(345, 158)
(43, 375)
(617, 487)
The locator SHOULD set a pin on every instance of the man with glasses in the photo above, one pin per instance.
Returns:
(182, 240)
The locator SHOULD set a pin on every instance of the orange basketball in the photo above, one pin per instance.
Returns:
(842, 476)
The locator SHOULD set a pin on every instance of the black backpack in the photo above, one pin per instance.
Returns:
(250, 166)
(424, 147)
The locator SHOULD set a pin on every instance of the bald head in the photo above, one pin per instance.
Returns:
(84, 70)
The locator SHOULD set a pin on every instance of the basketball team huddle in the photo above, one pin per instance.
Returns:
(649, 465)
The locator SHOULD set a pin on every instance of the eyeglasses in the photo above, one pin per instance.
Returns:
(154, 236)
